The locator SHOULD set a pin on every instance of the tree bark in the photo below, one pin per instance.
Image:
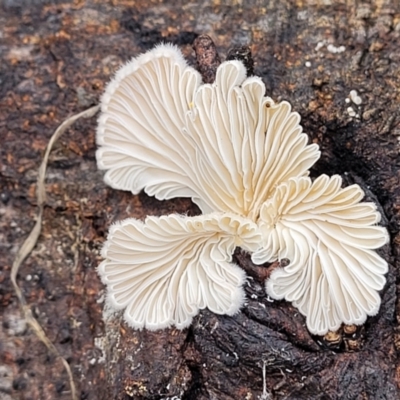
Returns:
(56, 58)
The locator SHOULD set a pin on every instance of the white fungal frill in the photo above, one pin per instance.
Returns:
(163, 131)
(163, 271)
(329, 237)
(244, 161)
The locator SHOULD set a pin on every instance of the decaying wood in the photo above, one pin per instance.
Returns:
(242, 53)
(207, 57)
(30, 242)
(55, 60)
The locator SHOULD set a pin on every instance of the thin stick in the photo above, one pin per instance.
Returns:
(31, 240)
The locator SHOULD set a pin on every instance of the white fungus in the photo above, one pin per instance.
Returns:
(244, 161)
(329, 236)
(351, 112)
(320, 45)
(200, 138)
(164, 270)
(335, 50)
(355, 98)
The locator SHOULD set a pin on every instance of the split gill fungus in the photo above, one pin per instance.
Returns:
(245, 161)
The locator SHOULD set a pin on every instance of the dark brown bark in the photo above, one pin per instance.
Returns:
(56, 58)
(207, 58)
(243, 54)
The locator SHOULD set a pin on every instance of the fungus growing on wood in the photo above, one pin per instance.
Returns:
(329, 236)
(245, 162)
(163, 271)
(163, 131)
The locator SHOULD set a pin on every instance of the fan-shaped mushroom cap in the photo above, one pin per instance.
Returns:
(225, 145)
(164, 270)
(232, 150)
(329, 236)
(140, 138)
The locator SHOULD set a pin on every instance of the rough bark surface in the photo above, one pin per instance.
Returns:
(55, 59)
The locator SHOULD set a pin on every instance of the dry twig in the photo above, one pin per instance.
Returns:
(32, 238)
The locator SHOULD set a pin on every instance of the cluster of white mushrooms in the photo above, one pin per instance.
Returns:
(245, 162)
